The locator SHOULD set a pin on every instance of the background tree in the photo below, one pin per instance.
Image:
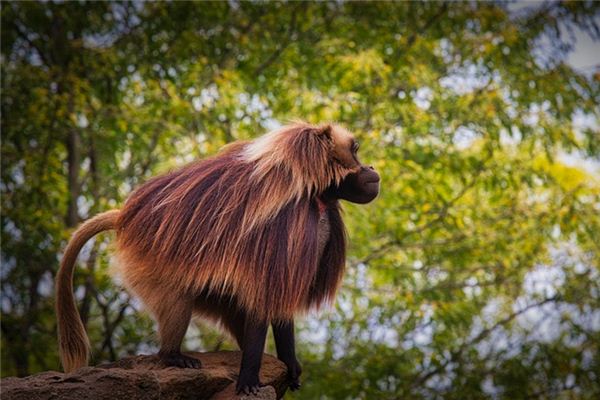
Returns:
(475, 274)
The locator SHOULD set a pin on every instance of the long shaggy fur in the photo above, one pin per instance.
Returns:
(242, 225)
(230, 237)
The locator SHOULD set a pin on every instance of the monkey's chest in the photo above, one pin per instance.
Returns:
(323, 232)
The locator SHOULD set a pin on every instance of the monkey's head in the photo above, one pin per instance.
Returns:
(315, 160)
(361, 183)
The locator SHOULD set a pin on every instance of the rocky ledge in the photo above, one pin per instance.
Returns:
(145, 378)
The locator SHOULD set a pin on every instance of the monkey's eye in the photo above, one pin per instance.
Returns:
(355, 147)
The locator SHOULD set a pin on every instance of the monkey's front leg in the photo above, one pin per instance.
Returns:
(286, 350)
(253, 346)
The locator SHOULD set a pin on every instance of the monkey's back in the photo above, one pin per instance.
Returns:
(195, 230)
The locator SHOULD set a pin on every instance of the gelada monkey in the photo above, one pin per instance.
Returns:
(247, 238)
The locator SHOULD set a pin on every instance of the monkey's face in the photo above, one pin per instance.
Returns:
(360, 186)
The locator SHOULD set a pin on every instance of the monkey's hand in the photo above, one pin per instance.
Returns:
(248, 384)
(294, 372)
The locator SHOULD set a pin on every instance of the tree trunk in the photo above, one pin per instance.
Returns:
(74, 162)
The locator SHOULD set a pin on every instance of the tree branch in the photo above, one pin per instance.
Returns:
(457, 354)
(413, 38)
(280, 49)
(23, 35)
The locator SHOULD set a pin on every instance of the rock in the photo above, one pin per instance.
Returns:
(145, 378)
(265, 393)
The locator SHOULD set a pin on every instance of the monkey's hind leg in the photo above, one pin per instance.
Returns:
(173, 316)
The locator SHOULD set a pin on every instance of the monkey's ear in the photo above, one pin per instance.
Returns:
(324, 131)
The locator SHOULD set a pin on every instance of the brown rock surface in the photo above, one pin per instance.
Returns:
(145, 378)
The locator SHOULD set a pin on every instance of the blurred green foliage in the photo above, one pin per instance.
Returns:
(473, 275)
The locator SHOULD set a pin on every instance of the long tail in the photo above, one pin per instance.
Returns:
(73, 342)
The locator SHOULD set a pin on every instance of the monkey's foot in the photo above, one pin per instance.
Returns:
(294, 384)
(294, 372)
(176, 359)
(248, 385)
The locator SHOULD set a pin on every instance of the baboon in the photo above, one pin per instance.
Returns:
(249, 237)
